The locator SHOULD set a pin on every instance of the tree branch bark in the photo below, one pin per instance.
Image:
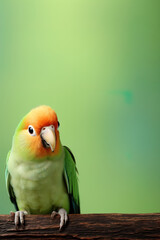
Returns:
(84, 226)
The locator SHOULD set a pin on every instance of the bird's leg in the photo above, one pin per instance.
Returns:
(63, 217)
(18, 218)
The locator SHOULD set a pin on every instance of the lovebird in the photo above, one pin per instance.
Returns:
(41, 173)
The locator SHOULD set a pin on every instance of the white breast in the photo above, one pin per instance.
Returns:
(39, 186)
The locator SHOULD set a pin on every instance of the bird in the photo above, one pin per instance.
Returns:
(41, 174)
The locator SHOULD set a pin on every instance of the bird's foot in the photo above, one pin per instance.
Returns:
(18, 218)
(63, 217)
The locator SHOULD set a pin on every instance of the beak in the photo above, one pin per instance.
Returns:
(48, 137)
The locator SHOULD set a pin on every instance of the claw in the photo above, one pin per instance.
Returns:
(18, 218)
(63, 217)
(53, 214)
(21, 216)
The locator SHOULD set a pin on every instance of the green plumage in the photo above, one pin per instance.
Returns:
(41, 174)
(70, 182)
(70, 173)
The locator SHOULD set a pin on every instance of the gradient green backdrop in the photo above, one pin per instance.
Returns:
(97, 63)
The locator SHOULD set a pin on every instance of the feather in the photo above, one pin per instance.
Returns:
(70, 175)
(9, 186)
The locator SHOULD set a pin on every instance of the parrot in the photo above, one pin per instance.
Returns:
(41, 174)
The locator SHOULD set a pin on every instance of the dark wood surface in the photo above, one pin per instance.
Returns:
(84, 226)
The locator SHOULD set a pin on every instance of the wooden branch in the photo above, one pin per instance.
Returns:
(84, 226)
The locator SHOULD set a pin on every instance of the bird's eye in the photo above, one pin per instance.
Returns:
(52, 126)
(31, 130)
(58, 124)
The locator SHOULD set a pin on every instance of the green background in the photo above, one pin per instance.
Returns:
(97, 63)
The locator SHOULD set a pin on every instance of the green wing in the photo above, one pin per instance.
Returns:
(8, 184)
(70, 173)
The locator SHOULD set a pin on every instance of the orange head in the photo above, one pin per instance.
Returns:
(37, 135)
